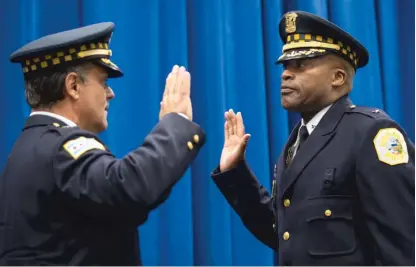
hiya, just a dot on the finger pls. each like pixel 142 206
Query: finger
pixel 171 81
pixel 234 119
pixel 186 84
pixel 246 138
pixel 174 68
pixel 240 125
pixel 167 83
pixel 226 134
pixel 244 142
pixel 228 122
pixel 178 79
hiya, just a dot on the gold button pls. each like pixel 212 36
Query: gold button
pixel 286 203
pixel 286 236
pixel 56 124
pixel 196 139
pixel 328 213
pixel 190 146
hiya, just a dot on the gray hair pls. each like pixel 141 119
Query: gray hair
pixel 44 90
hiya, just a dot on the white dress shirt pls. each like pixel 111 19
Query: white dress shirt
pixel 310 126
pixel 56 116
pixel 68 121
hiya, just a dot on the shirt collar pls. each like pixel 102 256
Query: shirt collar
pixel 311 125
pixel 56 116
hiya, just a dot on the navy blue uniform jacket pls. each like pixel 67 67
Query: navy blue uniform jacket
pixel 66 200
pixel 347 198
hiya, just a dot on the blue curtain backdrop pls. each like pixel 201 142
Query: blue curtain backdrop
pixel 229 47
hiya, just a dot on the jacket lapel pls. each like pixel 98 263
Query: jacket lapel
pixel 281 163
pixel 288 153
pixel 322 134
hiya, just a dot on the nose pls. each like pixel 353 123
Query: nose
pixel 287 75
pixel 110 93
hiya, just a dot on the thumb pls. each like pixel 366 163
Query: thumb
pixel 244 141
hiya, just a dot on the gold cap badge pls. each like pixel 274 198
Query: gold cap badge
pixel 291 22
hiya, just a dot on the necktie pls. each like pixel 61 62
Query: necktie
pixel 303 135
pixel 293 150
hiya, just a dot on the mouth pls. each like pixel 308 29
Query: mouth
pixel 284 90
pixel 106 108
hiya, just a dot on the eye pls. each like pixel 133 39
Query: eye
pixel 295 64
pixel 301 64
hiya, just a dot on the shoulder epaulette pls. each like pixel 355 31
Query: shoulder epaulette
pixel 367 111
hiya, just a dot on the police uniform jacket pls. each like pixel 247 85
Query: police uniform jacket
pixel 66 199
pixel 347 197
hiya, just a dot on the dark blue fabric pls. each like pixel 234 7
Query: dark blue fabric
pixel 230 48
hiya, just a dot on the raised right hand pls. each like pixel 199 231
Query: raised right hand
pixel 235 142
pixel 177 94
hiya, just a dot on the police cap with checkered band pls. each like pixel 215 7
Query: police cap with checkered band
pixel 306 35
pixel 62 49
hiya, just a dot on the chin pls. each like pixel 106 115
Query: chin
pixel 104 126
pixel 292 107
pixel 99 127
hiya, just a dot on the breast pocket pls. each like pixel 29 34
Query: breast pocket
pixel 330 229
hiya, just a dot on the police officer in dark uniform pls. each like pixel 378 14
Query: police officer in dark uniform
pixel 64 197
pixel 343 192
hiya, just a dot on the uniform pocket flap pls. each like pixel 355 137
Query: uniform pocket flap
pixel 330 228
pixel 329 207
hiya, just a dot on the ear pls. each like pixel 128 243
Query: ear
pixel 71 86
pixel 339 77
